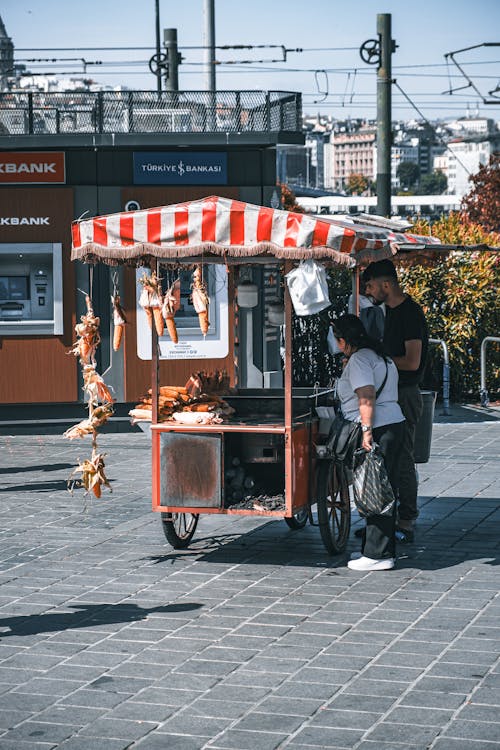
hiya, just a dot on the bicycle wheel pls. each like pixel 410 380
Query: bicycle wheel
pixel 179 528
pixel 334 507
pixel 299 519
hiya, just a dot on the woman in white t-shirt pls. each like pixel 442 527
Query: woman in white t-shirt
pixel 381 419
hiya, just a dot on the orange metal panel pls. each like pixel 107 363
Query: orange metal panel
pixel 221 511
pixel 155 477
pixel 238 427
pixel 300 467
pixel 191 469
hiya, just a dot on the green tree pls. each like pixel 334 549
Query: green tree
pixel 434 183
pixel 356 184
pixel 459 294
pixel 408 173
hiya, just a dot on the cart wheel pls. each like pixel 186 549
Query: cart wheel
pixel 179 528
pixel 299 519
pixel 334 507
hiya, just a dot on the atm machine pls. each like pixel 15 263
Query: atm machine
pixel 30 289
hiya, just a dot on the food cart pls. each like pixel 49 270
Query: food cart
pixel 269 434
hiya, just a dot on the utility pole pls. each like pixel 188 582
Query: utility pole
pixel 158 48
pixel 209 57
pixel 209 43
pixel 384 110
pixel 173 59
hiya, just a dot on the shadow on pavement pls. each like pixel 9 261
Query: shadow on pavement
pixel 270 544
pixel 55 486
pixel 86 616
pixel 463 413
pixel 41 467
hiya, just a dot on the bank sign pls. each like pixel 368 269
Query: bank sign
pixel 174 168
pixel 32 167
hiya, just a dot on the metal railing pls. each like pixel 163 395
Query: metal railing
pixel 446 375
pixel 483 393
pixel 39 113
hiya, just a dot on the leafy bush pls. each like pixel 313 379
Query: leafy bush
pixel 459 293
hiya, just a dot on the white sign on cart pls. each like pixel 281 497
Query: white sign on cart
pixel 192 344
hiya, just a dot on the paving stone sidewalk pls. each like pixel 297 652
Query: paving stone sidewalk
pixel 253 638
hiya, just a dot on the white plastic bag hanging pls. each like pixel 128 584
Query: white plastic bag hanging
pixel 332 343
pixel 308 288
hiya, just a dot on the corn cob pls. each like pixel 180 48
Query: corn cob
pixel 159 323
pixel 200 299
pixel 171 304
pixel 119 321
pixel 151 300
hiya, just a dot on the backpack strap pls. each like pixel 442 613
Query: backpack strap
pixel 379 391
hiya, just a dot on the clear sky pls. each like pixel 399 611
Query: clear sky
pixel 333 80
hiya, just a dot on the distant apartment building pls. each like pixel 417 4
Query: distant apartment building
pixel 440 164
pixel 6 57
pixel 402 152
pixel 347 154
pixel 302 165
pixel 465 158
pixel 475 126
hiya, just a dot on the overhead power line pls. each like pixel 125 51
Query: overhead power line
pixel 424 118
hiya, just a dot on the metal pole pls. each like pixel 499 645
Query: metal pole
pixel 170 43
pixel 209 43
pixel 355 290
pixel 209 58
pixel 446 376
pixel 384 82
pixel 155 363
pixel 288 395
pixel 485 399
pixel 158 48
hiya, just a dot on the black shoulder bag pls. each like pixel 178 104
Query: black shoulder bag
pixel 345 435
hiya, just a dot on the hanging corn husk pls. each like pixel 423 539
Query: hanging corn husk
pixel 151 301
pixel 93 476
pixel 171 303
pixel 99 401
pixel 97 417
pixel 200 299
pixel 88 336
pixel 95 386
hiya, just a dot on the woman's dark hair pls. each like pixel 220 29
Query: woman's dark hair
pixel 351 329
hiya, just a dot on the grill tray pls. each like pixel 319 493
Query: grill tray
pixel 271 402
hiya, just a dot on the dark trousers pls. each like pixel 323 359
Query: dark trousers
pixel 379 540
pixel 410 401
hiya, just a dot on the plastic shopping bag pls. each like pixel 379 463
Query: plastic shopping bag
pixel 373 495
pixel 332 343
pixel 308 288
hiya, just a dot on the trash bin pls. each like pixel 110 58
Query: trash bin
pixel 423 429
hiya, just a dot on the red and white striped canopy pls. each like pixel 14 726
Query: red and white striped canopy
pixel 224 227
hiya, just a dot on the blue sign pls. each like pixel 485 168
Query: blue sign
pixel 176 168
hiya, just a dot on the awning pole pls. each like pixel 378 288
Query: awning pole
pixel 155 362
pixel 355 290
pixel 288 397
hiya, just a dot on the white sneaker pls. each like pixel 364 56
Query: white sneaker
pixel 367 564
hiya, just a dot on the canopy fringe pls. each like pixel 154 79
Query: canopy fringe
pixel 142 253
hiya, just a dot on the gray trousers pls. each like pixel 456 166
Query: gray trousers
pixel 410 401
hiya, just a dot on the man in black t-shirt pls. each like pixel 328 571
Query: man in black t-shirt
pixel 406 341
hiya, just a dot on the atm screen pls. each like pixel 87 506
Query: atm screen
pixel 14 287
